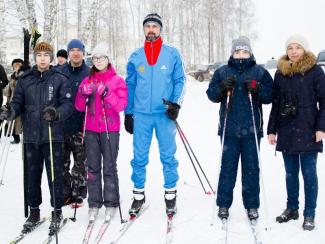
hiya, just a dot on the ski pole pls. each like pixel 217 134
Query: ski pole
pixel 197 161
pixel 259 161
pixel 115 172
pixel 85 119
pixel 52 178
pixel 5 133
pixel 229 93
pixel 9 132
pixel 190 157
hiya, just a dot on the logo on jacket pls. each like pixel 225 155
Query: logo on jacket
pixel 51 89
pixel 163 67
pixel 141 69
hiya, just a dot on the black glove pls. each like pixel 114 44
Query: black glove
pixel 128 123
pixel 7 113
pixel 229 83
pixel 172 110
pixel 252 86
pixel 50 114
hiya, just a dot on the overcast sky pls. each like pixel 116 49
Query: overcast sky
pixel 278 19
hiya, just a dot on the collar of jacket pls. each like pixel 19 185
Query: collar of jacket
pixel 73 69
pixel 286 67
pixel 43 74
pixel 241 64
pixel 152 50
pixel 104 76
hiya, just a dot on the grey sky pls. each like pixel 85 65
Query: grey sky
pixel 278 19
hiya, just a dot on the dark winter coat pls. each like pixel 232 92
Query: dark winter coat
pixel 239 118
pixel 3 82
pixel 34 92
pixel 302 84
pixel 74 123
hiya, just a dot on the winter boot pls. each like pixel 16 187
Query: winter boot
pixel 287 215
pixel 223 213
pixel 56 220
pixel 110 212
pixel 252 214
pixel 138 201
pixel 309 223
pixel 93 213
pixel 32 221
pixel 170 201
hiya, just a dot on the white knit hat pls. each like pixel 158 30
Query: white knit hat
pixel 298 39
pixel 101 49
pixel 241 43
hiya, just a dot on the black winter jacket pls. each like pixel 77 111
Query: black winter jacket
pixel 303 86
pixel 35 91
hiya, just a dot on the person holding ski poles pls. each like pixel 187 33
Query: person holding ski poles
pixel 154 72
pixel 43 99
pixel 102 95
pixel 240 86
pixel 297 124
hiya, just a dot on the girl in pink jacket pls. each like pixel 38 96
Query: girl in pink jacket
pixel 102 96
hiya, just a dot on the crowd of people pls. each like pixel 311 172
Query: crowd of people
pixel 70 108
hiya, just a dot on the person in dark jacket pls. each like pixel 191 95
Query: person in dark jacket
pixel 297 124
pixel 75 184
pixel 246 86
pixel 42 98
pixel 61 57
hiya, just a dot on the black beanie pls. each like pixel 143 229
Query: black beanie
pixel 153 17
pixel 62 53
pixel 17 60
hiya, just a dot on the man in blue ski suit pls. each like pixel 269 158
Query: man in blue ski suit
pixel 155 73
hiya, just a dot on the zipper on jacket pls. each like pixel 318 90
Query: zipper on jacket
pixel 151 80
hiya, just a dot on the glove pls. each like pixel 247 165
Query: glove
pixel 229 83
pixel 87 89
pixel 102 90
pixel 128 123
pixel 50 114
pixel 7 113
pixel 252 86
pixel 172 110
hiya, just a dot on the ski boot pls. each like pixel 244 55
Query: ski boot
pixel 309 223
pixel 93 213
pixel 252 214
pixel 56 221
pixel 287 215
pixel 223 213
pixel 138 201
pixel 170 201
pixel 109 212
pixel 32 221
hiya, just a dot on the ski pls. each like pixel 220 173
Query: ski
pixel 103 229
pixel 128 224
pixel 170 228
pixel 253 226
pixel 51 237
pixel 88 232
pixel 23 234
pixel 224 227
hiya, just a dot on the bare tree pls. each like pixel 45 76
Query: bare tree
pixel 3 45
pixel 50 21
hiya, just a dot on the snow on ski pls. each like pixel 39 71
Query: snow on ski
pixel 253 226
pixel 224 227
pixel 23 234
pixel 51 237
pixel 103 229
pixel 128 224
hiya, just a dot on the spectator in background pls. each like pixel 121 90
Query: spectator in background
pixel 61 57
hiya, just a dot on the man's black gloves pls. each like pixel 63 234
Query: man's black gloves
pixel 7 113
pixel 128 123
pixel 252 86
pixel 50 114
pixel 172 110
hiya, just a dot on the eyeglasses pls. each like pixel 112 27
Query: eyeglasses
pixel 98 59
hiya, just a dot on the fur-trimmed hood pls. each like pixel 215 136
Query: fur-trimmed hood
pixel 286 67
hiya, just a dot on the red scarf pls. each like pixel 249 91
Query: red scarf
pixel 152 50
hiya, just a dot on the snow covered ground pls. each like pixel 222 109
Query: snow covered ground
pixel 199 121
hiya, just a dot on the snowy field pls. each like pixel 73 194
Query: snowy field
pixel 199 121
